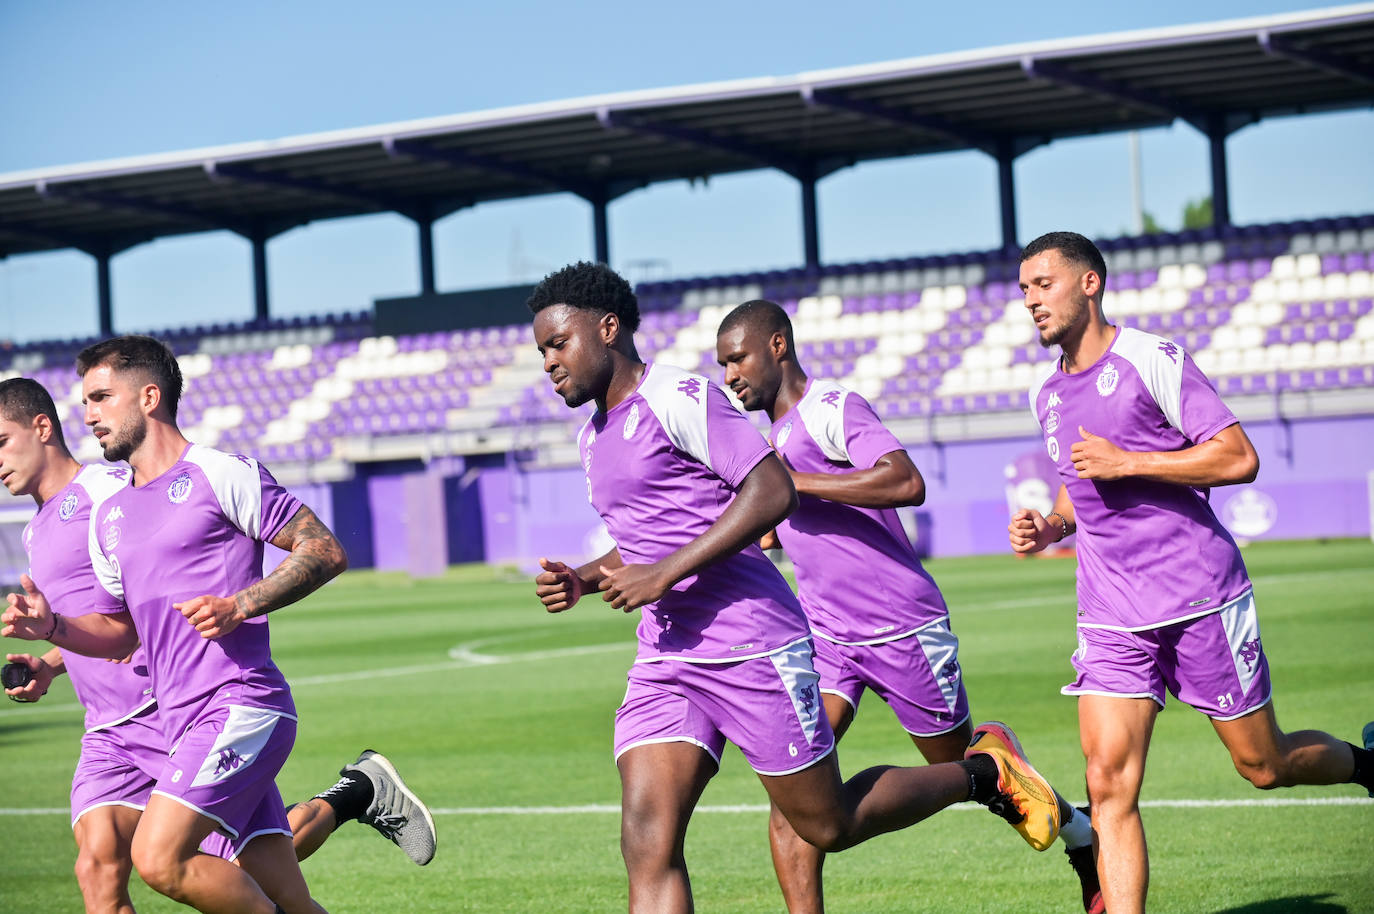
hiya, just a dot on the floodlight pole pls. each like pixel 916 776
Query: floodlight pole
pixel 424 224
pixel 601 230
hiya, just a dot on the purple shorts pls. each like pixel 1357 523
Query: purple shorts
pixel 225 767
pixel 918 676
pixel 119 765
pixel 1214 662
pixel 770 707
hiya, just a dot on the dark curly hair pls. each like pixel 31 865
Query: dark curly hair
pixel 148 357
pixel 1073 247
pixel 589 286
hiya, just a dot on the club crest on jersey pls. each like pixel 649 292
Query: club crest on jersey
pixel 68 507
pixel 180 489
pixel 111 538
pixel 1052 422
pixel 1106 381
pixel 631 422
pixel 784 433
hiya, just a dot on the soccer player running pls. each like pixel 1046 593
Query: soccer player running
pixel 178 557
pixel 686 486
pixel 1164 601
pixel 891 635
pixel 123 747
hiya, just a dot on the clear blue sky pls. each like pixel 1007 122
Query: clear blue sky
pixel 92 80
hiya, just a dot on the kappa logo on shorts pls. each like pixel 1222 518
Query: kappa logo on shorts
pixel 950 672
pixel 180 489
pixel 1249 652
pixel 228 761
pixel 806 697
pixel 68 507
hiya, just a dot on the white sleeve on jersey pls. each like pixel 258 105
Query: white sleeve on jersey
pixel 678 399
pixel 824 421
pixel 237 485
pixel 1160 365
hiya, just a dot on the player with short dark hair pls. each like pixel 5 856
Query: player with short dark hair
pixel 685 486
pixel 123 747
pixel 1164 600
pixel 190 527
pixel 893 634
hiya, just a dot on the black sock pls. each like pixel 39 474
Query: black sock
pixel 982 777
pixel 1364 767
pixel 350 797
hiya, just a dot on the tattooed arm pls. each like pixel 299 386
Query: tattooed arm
pixel 316 557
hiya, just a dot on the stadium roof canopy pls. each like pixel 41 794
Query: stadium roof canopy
pixel 1218 77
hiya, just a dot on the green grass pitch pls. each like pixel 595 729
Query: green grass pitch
pixel 500 717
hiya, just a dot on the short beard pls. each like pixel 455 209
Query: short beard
pixel 119 445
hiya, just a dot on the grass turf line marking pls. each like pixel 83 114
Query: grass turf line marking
pixel 759 808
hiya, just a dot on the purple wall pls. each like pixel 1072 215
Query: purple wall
pixel 1312 483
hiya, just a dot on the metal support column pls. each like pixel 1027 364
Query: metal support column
pixel 1006 191
pixel 259 242
pixel 811 234
pixel 1221 192
pixel 104 300
pixel 424 223
pixel 601 231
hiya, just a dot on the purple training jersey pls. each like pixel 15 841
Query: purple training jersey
pixel 858 576
pixel 197 529
pixel 1149 553
pixel 662 466
pixel 59 562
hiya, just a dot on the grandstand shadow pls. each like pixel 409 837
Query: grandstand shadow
pixel 1296 904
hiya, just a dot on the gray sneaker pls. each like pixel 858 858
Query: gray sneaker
pixel 396 812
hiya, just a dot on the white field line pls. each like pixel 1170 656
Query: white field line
pixel 760 808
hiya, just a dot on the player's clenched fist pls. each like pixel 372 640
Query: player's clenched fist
pixel 632 586
pixel 1029 531
pixel 557 586
pixel 213 617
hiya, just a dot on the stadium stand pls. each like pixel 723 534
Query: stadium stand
pixel 1264 309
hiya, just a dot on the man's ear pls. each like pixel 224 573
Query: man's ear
pixel 149 398
pixel 777 344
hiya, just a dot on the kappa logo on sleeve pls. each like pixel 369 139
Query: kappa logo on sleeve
pixel 1170 350
pixel 691 387
pixel 832 398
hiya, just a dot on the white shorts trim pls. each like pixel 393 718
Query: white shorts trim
pixel 1249 591
pixel 87 809
pixel 150 703
pixel 690 658
pixel 221 824
pixel 669 739
pixel 237 847
pixel 950 729
pixel 1070 690
pixel 884 639
pixel 810 764
pixel 1268 698
pixel 852 706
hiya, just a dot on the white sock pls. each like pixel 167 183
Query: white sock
pixel 1077 832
